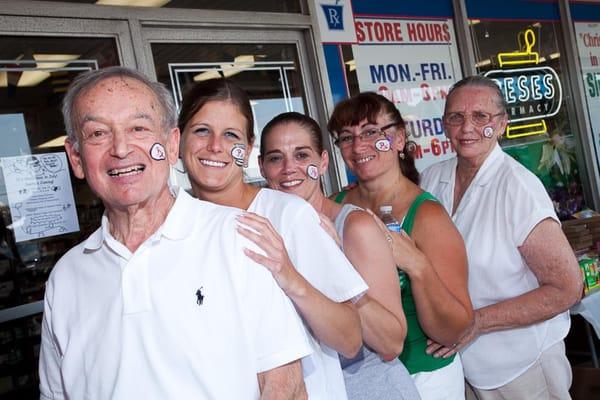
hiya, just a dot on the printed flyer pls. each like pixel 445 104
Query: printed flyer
pixel 40 196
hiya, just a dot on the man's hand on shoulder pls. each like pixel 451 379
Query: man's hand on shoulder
pixel 283 383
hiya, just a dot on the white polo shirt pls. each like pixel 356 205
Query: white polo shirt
pixel 320 261
pixel 503 204
pixel 187 315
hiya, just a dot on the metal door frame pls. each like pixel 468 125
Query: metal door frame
pixel 64 28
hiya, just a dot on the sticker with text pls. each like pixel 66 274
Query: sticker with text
pixel 382 145
pixel 238 152
pixel 157 152
pixel 312 171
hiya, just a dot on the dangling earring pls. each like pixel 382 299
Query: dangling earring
pixel 401 154
pixel 245 163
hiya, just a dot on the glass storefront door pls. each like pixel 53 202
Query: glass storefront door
pixel 44 210
pixel 270 72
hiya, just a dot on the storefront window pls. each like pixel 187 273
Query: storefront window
pixel 525 58
pixel 269 73
pixel 406 52
pixel 586 21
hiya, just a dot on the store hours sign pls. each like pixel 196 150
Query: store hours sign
pixel 413 63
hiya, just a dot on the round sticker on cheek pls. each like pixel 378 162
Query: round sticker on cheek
pixel 157 152
pixel 382 145
pixel 488 132
pixel 238 152
pixel 312 171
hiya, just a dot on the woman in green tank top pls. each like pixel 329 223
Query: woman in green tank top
pixel 370 133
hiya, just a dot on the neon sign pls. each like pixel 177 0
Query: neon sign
pixel 532 93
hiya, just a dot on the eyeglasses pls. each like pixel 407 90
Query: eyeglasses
pixel 478 118
pixel 368 135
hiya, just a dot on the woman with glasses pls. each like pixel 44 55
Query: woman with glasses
pixel 429 253
pixel 292 159
pixel 217 136
pixel 523 275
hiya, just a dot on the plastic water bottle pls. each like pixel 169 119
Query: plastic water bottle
pixel 393 225
pixel 389 220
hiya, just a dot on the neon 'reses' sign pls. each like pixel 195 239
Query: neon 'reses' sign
pixel 532 92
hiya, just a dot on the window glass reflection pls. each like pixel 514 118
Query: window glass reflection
pixel 524 58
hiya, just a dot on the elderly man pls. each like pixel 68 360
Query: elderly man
pixel 523 275
pixel 160 302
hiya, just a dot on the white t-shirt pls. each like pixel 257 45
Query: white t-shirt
pixel 319 260
pixel 187 315
pixel 500 208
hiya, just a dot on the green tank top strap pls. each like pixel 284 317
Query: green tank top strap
pixel 340 196
pixel 409 219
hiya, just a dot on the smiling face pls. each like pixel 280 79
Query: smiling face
pixel 214 145
pixel 120 120
pixel 290 162
pixel 368 159
pixel 473 143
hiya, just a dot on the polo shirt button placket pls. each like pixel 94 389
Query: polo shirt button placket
pixel 135 283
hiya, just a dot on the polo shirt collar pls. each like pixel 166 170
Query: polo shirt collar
pixel 178 226
pixel 175 227
pixel 490 166
pixel 448 173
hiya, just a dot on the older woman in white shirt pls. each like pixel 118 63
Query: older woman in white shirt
pixel 523 276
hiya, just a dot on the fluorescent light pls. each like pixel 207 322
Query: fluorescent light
pixel 554 56
pixel 33 78
pixel 474 21
pixel 56 142
pixel 204 76
pixel 240 63
pixel 351 65
pixel 133 3
pixel 483 63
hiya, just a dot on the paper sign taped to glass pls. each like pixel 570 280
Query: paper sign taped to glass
pixel 40 196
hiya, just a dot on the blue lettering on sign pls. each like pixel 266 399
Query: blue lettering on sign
pixel 531 93
pixel 425 127
pixel 390 73
pixel 433 71
pixel 334 16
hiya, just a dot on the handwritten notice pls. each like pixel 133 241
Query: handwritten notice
pixel 39 195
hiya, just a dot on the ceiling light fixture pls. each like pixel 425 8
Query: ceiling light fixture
pixel 46 61
pixel 133 3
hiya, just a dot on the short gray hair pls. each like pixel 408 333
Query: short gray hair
pixel 86 81
pixel 480 81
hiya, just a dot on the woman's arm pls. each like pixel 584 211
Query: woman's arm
pixel 550 258
pixel 335 324
pixel 439 279
pixel 436 262
pixel 380 309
